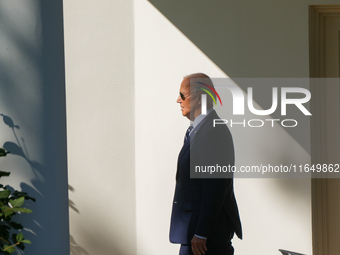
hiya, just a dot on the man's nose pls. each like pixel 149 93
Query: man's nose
pixel 179 99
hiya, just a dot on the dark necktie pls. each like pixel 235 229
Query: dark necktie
pixel 188 132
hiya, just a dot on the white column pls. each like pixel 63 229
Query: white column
pixel 100 125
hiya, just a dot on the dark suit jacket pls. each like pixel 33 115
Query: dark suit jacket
pixel 205 207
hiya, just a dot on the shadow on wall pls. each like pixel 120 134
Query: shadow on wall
pixel 245 38
pixel 35 226
pixel 75 249
pixel 71 204
pixel 101 242
pixel 32 77
pixel 249 39
pixel 19 149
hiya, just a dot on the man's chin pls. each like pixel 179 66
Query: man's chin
pixel 185 114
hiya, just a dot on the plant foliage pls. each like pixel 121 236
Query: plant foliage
pixel 11 204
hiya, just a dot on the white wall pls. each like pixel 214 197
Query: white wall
pixel 125 129
pixel 275 212
pixel 100 119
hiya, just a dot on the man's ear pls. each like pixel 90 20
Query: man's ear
pixel 199 99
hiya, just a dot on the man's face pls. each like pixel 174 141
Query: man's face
pixel 185 104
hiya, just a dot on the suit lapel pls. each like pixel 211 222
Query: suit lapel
pixel 194 133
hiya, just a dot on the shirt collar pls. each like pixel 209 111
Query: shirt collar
pixel 201 117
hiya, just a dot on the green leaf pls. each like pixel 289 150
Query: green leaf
pixel 9 250
pixel 16 225
pixel 2 173
pixel 17 202
pixel 18 194
pixel 5 193
pixel 21 246
pixel 31 198
pixel 24 210
pixel 3 152
pixel 20 237
pixel 26 241
pixel 9 212
pixel 4 207
pixel 4 240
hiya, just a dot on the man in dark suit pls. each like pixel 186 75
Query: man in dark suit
pixel 204 214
